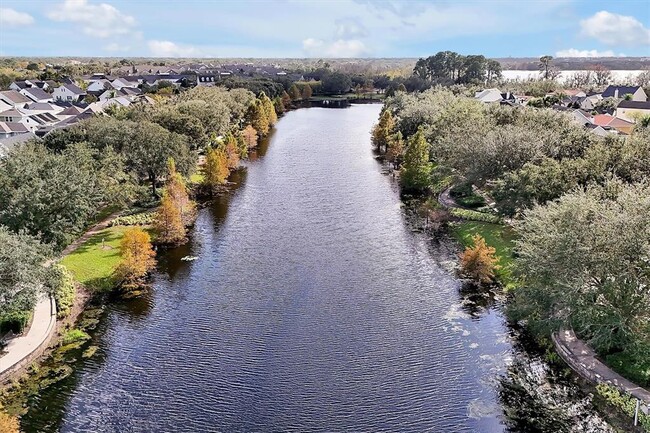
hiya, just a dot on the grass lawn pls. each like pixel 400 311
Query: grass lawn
pixel 93 263
pixel 499 236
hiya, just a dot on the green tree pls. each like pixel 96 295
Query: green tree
pixel 258 118
pixel 21 267
pixel 415 174
pixel 294 92
pixel 306 92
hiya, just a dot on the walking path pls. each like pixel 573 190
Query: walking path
pixel 582 359
pixel 24 349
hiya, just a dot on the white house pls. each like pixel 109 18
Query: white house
pixel 14 98
pixel 120 82
pixel 632 110
pixel 590 102
pixel 36 94
pixel 68 93
pixel 99 86
pixel 488 96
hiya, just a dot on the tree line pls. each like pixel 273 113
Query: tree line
pixel 52 189
pixel 581 205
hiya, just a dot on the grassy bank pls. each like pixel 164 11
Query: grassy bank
pixel 94 262
pixel 499 236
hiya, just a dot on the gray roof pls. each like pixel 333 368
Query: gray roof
pixel 37 94
pixel 14 96
pixel 6 144
pixel 639 105
pixel 74 88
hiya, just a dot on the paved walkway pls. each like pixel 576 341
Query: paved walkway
pixel 44 318
pixel 20 348
pixel 582 359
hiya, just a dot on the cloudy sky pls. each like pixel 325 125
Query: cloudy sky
pixel 320 28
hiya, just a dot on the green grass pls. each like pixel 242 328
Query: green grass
pixel 94 262
pixel 499 236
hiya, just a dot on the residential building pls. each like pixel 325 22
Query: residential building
pixel 68 93
pixel 36 94
pixel 13 98
pixel 620 91
pixel 632 110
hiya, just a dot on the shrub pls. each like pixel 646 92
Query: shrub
pixel 138 219
pixel 63 290
pixel 471 215
pixel 625 402
pixel 465 196
pixel 74 336
pixel 14 321
pixel 479 262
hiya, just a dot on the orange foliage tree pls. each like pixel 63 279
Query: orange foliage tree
pixel 216 168
pixel 479 261
pixel 137 257
pixel 169 221
pixel 232 152
pixel 250 136
pixel 177 190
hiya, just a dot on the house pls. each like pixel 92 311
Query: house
pixel 590 102
pixel 609 121
pixel 6 144
pixel 68 93
pixel 13 98
pixel 488 96
pixel 120 82
pixel 10 129
pixel 602 131
pixel 98 86
pixel 206 79
pixel 36 94
pixel 620 91
pixel 37 121
pixel 632 110
pixel 582 117
pixel 574 93
pixel 27 84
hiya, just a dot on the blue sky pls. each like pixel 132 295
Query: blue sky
pixel 318 28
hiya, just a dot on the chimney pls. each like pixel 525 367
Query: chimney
pixel 616 92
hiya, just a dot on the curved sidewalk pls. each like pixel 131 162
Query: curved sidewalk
pixel 24 349
pixel 582 359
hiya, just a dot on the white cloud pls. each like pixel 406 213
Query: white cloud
pixel 99 20
pixel 10 18
pixel 171 49
pixel 350 28
pixel 572 52
pixel 616 30
pixel 338 48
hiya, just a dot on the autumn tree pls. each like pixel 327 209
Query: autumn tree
pixel 294 92
pixel 269 109
pixel 216 168
pixel 230 148
pixel 383 131
pixel 479 261
pixel 258 118
pixel 249 135
pixel 416 172
pixel 177 190
pixel 138 258
pixel 306 92
pixel 168 222
pixel 286 99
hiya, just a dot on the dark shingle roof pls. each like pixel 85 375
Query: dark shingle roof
pixel 622 91
pixel 37 94
pixel 640 105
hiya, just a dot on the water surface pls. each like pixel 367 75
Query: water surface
pixel 312 307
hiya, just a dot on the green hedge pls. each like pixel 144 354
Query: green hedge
pixel 63 290
pixel 14 321
pixel 471 215
pixel 138 219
